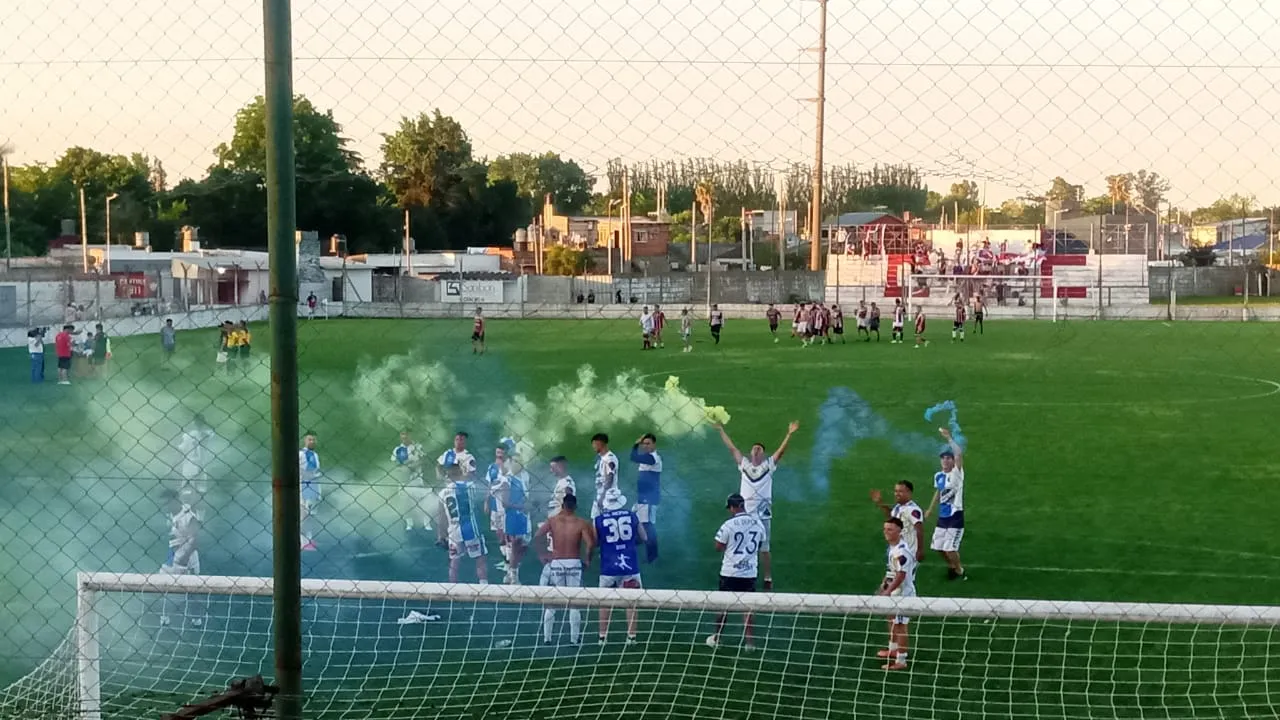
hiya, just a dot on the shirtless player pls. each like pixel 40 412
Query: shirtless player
pixel 566 534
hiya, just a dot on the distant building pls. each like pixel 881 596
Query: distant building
pixel 861 228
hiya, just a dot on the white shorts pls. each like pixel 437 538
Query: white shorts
pixel 802 327
pixel 897 326
pixel 631 582
pixel 862 324
pixel 947 539
pixel 191 472
pixel 419 497
pixel 497 521
pixel 768 532
pixel 646 513
pixel 562 573
pixel 471 548
pixel 191 568
pixel 901 619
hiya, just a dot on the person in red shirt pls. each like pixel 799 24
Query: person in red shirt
pixel 774 316
pixel 920 339
pixel 659 320
pixel 62 346
pixel 477 333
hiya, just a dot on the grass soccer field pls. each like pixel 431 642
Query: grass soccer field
pixel 1105 461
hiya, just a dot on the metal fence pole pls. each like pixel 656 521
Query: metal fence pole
pixel 285 482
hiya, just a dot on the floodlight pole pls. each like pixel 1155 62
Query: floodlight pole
pixel 283 273
pixel 815 209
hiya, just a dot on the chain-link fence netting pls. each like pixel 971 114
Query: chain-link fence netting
pixel 554 249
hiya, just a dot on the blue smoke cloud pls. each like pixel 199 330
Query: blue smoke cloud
pixel 844 420
pixel 953 421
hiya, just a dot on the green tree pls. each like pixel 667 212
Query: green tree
pixel 423 158
pixel 319 148
pixel 537 176
pixel 1231 207
pixel 1063 195
pixel 1148 190
pixel 564 260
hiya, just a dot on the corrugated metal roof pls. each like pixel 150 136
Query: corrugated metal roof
pixel 862 218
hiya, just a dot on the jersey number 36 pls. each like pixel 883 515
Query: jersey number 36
pixel 617 529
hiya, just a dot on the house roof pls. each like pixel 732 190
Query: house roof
pixel 474 275
pixel 865 218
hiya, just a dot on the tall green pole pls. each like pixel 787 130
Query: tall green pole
pixel 281 226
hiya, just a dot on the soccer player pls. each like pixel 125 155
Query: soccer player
pixel 184 556
pixel 659 322
pixel 409 456
pixel 979 312
pixel 837 322
pixel 798 321
pixel 686 329
pixel 194 447
pixel 515 498
pixel 244 345
pixel 477 333
pixel 464 535
pixel 648 489
pixel 957 327
pixel 773 316
pixel 566 535
pixel 756 486
pixel 920 326
pixel 564 484
pixel 948 498
pixel 457 455
pixel 496 477
pixel 908 512
pixel 616 530
pixel 899 321
pixel 817 324
pixel 646 327
pixel 606 470
pixel 741 539
pixel 862 321
pixel 717 323
pixel 873 322
pixel 899 581
pixel 309 473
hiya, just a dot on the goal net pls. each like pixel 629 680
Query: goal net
pixel 1003 296
pixel 477 651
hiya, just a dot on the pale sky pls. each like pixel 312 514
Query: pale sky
pixel 1007 92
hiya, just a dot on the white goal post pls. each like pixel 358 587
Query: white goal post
pixel 1003 296
pixel 477 650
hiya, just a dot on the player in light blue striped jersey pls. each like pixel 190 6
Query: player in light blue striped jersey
pixel 648 490
pixel 309 474
pixel 496 478
pixel 516 530
pixel 617 530
pixel 465 537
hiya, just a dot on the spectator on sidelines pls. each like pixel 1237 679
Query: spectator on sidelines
pixel 35 345
pixel 168 340
pixel 62 346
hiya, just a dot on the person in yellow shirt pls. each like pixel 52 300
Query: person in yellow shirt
pixel 231 343
pixel 245 341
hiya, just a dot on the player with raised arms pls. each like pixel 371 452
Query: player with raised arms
pixel 648 490
pixel 899 581
pixel 756 487
pixel 309 474
pixel 464 534
pixel 183 557
pixel 515 498
pixel 606 470
pixel 408 455
pixel 617 530
pixel 566 535
pixel 906 510
pixel 948 499
pixel 740 539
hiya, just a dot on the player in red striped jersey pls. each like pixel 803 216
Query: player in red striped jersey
pixel 774 316
pixel 920 323
pixel 659 321
pixel 477 333
pixel 957 328
pixel 899 321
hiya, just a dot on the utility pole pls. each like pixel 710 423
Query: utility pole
pixel 815 209
pixel 8 227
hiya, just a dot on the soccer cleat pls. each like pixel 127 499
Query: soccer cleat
pixel 164 621
pixel 768 584
pixel 713 641
pixel 197 622
pixel 602 641
pixel 886 654
pixel 749 647
pixel 631 640
pixel 894 666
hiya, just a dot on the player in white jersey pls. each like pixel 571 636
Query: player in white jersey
pixel 457 455
pixel 183 557
pixel 606 471
pixel 686 329
pixel 309 474
pixel 905 509
pixel 948 499
pixel 899 321
pixel 741 539
pixel 194 447
pixel 409 457
pixel 564 484
pixel 756 487
pixel 647 327
pixel 464 533
pixel 899 581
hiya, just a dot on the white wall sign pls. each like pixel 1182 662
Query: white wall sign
pixel 472 291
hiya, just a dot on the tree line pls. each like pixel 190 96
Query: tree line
pixel 429 174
